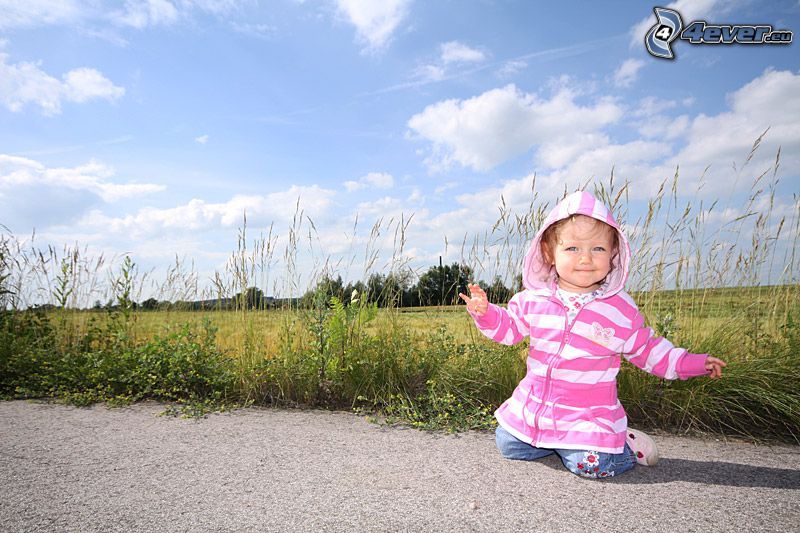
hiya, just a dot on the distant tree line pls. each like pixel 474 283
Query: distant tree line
pixel 439 285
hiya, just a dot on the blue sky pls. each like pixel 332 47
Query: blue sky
pixel 150 127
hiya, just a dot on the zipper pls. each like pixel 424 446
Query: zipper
pixel 551 363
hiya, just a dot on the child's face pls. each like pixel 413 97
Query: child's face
pixel 583 254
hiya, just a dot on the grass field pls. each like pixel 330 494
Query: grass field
pixel 425 366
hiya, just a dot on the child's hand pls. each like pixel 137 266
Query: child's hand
pixel 715 366
pixel 477 303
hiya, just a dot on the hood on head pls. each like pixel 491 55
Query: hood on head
pixel 538 274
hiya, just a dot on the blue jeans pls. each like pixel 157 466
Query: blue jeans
pixel 585 463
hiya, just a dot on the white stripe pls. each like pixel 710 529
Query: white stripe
pixel 585 426
pixel 550 347
pixel 536 368
pixel 612 313
pixel 628 300
pixel 491 332
pixel 590 378
pixel 627 349
pixel 570 352
pixel 548 321
pixel 674 356
pixel 658 353
pixel 600 211
pixel 586 330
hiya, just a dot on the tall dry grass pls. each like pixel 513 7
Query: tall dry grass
pixel 717 277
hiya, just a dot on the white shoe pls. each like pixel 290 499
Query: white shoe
pixel 643 446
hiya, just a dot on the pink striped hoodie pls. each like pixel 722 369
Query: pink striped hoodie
pixel 568 398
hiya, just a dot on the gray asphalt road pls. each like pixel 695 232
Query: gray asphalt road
pixel 99 469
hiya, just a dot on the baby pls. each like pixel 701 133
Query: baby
pixel 579 319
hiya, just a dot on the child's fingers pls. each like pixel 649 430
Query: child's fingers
pixel 464 297
pixel 477 291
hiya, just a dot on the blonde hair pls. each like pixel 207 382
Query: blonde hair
pixel 549 239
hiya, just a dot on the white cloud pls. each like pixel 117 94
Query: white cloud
pixel 140 14
pixel 627 73
pixel 486 130
pixel 30 13
pixel 217 7
pixel 198 214
pixel 375 22
pixel 660 126
pixel 92 177
pixel 456 52
pixel 82 84
pixel 33 195
pixel 428 73
pixel 650 105
pixel 24 83
pixel 510 68
pixel 416 196
pixel 376 180
pixel 260 31
pixel 714 149
pixel 136 14
pixel 769 101
pixel 445 187
pixel 203 139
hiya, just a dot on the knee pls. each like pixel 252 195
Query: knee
pixel 511 447
pixel 506 443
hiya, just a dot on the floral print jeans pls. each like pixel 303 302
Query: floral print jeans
pixel 585 463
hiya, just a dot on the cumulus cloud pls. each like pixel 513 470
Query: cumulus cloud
pixel 375 22
pixel 24 83
pixel 486 130
pixel 82 84
pixel 628 72
pixel 27 186
pixel 699 146
pixel 203 139
pixel 771 101
pixel 199 214
pixel 376 180
pixel 650 105
pixel 456 52
pixel 94 177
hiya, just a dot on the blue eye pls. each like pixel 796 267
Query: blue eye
pixel 599 249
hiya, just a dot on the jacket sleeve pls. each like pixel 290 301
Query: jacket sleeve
pixel 506 326
pixel 658 356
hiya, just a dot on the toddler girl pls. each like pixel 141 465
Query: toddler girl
pixel 579 320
